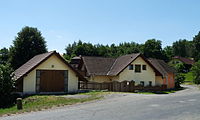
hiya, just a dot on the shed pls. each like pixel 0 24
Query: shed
pixel 46 73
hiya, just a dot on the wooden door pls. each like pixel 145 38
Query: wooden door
pixel 51 81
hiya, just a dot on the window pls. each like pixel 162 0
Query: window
pixel 142 83
pixel 138 68
pixel 144 67
pixel 130 67
pixel 150 83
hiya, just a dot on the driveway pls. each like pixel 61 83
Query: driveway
pixel 182 105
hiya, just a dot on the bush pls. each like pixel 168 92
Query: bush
pixel 196 72
pixel 179 79
pixel 6 86
pixel 180 67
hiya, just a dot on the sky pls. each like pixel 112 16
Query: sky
pixel 62 22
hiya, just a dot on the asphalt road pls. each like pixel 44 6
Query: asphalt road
pixel 182 105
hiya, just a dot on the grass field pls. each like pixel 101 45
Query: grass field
pixel 40 102
pixel 188 78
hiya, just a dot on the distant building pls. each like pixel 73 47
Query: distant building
pixel 179 59
pixel 186 61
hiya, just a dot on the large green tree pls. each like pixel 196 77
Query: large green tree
pixel 4 55
pixel 28 43
pixel 196 42
pixel 153 49
pixel 183 48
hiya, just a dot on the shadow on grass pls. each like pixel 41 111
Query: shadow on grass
pixel 162 92
pixel 170 91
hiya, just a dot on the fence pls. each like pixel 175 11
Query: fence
pixel 115 86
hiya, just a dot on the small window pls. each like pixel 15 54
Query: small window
pixel 137 68
pixel 150 83
pixel 144 67
pixel 130 67
pixel 38 74
pixel 142 83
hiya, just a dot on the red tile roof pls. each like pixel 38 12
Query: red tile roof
pixel 184 60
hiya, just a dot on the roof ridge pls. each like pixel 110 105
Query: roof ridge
pixel 44 53
pixel 99 57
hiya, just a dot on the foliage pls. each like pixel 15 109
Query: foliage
pixel 4 55
pixel 6 85
pixel 153 49
pixel 179 79
pixel 196 72
pixel 180 67
pixel 196 41
pixel 168 51
pixel 183 48
pixel 28 43
pixel 88 49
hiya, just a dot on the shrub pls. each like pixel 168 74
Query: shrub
pixel 180 67
pixel 196 72
pixel 179 79
pixel 6 86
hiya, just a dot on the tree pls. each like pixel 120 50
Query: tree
pixel 196 42
pixel 196 72
pixel 183 48
pixel 6 85
pixel 28 43
pixel 168 51
pixel 4 56
pixel 153 49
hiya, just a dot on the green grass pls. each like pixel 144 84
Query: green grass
pixel 188 78
pixel 40 102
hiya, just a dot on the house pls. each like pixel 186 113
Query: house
pixel 179 59
pixel 131 67
pixel 185 61
pixel 46 73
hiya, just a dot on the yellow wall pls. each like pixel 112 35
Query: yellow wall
pixel 145 75
pixel 29 83
pixel 159 80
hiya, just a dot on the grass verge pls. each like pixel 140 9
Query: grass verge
pixel 188 78
pixel 40 102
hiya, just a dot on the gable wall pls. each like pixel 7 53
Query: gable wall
pixel 29 83
pixel 145 75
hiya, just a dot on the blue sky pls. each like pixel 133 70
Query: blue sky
pixel 100 21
